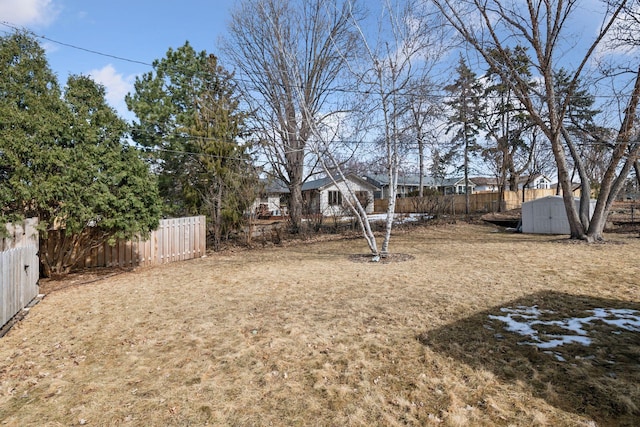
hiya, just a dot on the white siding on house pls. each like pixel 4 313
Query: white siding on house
pixel 272 203
pixel 333 210
pixel 540 182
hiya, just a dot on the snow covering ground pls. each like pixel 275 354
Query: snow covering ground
pixel 526 321
pixel 399 218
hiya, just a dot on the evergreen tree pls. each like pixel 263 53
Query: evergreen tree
pixel 189 118
pixel 465 120
pixel 508 124
pixel 64 160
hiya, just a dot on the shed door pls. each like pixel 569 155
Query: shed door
pixel 542 218
pixel 559 224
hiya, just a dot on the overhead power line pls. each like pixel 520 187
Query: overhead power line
pixel 433 95
pixel 95 52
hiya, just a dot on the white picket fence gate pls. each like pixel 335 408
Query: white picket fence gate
pixel 19 268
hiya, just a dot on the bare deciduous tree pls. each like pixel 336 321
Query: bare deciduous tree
pixel 409 43
pixel 423 121
pixel 290 60
pixel 492 28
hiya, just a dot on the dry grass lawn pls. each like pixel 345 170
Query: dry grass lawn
pixel 303 335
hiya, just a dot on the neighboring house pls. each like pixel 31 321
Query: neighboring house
pixel 322 196
pixel 273 199
pixel 408 184
pixel 485 184
pixel 319 196
pixel 490 184
pixel 537 181
pixel 455 186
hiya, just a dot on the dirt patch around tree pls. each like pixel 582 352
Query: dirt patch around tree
pixel 476 327
pixel 387 259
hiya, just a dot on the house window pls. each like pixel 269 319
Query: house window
pixel 335 198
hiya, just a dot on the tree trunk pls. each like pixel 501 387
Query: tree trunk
pixel 295 203
pixel 392 171
pixel 217 218
pixel 613 179
pixel 391 209
pixel 467 207
pixel 421 165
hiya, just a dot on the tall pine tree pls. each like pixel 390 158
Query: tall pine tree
pixel 467 109
pixel 188 116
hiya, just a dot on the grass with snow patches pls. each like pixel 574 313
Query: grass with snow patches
pixel 457 334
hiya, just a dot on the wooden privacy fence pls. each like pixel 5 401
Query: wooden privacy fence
pixel 175 239
pixel 455 204
pixel 19 268
pixel 20 235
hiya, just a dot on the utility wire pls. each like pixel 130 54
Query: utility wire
pixel 244 80
pixel 134 61
pixel 95 52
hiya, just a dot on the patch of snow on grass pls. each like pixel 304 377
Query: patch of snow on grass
pixel 622 318
pixel 525 321
pixel 399 218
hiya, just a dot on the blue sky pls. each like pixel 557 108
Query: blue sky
pixel 139 30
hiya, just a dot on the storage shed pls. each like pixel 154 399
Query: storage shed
pixel 548 215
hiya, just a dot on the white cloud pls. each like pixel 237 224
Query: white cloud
pixel 117 86
pixel 28 12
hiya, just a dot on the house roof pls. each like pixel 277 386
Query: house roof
pixel 450 182
pixel 412 179
pixel 483 180
pixel 321 183
pixel 276 186
pixel 382 180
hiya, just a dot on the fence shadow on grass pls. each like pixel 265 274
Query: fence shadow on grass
pixel 580 354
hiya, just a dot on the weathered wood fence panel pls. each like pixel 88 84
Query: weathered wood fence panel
pixel 175 239
pixel 455 204
pixel 20 234
pixel 19 268
pixel 19 271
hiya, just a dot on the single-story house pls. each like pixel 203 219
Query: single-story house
pixel 491 185
pixel 408 184
pixel 323 196
pixel 455 186
pixel 272 200
pixel 485 184
pixel 319 196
